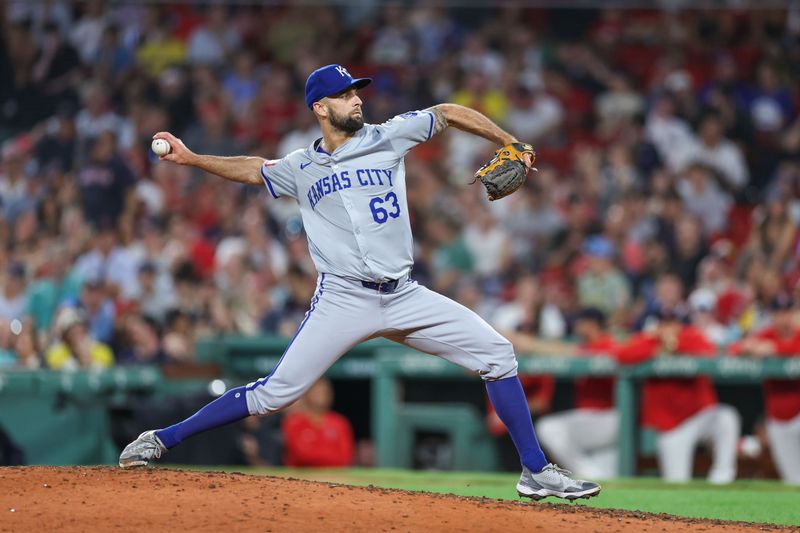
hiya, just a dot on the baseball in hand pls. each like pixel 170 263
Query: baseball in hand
pixel 160 147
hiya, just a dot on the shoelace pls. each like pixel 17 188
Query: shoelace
pixel 154 444
pixel 554 467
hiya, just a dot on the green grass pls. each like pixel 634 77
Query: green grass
pixel 749 501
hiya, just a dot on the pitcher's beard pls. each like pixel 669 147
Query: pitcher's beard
pixel 347 124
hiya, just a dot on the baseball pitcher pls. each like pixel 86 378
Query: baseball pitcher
pixel 351 188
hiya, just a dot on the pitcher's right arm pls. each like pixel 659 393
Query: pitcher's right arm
pixel 241 169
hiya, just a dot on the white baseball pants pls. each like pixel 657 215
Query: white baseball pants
pixel 582 440
pixel 718 425
pixel 344 313
pixel 784 443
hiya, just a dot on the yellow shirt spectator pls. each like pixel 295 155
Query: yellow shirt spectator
pixel 60 357
pixel 156 55
pixel 492 103
pixel 76 349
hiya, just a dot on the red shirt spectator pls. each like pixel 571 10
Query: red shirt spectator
pixel 667 402
pixel 782 339
pixel 316 436
pixel 596 393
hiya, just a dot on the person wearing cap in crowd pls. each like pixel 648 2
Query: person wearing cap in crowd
pixel 154 301
pixel 781 396
pixel 15 184
pixel 97 308
pixel 13 300
pixel 603 285
pixel 74 347
pixel 683 411
pixel 584 439
pixel 702 304
pixel 666 297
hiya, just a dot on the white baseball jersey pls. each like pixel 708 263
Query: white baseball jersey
pixel 353 201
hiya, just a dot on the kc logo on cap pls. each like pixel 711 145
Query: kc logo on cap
pixel 329 80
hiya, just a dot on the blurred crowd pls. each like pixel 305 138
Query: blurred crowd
pixel 668 168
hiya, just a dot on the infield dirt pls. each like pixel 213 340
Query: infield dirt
pixel 68 499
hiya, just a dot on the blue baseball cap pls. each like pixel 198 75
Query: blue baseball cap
pixel 598 246
pixel 329 80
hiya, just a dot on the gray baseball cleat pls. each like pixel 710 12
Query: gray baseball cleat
pixel 554 481
pixel 141 451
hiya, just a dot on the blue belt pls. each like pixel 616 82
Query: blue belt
pixel 387 287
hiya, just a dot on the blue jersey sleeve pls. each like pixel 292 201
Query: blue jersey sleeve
pixel 409 129
pixel 279 178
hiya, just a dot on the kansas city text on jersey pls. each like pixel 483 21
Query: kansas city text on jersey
pixel 365 177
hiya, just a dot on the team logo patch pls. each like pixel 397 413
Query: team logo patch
pixel 343 72
pixel 409 114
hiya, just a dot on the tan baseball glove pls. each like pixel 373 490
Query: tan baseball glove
pixel 507 170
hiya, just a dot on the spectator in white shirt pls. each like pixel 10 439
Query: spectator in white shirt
pixel 667 132
pixel 704 198
pixel 534 114
pixel 713 149
pixel 212 42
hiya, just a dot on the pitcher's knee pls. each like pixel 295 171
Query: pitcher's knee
pixel 265 400
pixel 500 361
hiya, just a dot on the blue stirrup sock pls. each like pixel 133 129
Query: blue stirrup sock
pixel 229 407
pixel 511 406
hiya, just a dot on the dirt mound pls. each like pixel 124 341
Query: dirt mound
pixel 111 499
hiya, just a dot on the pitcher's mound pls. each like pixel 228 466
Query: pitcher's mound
pixel 110 499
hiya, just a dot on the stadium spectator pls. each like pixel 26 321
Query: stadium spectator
pixel 774 233
pixel 57 70
pixel 106 182
pixel 771 104
pixel 702 306
pixel 666 297
pixel 670 134
pixel 96 117
pixel 97 309
pixel 179 341
pixel 683 411
pixel 154 301
pixel 213 42
pixel 15 185
pixel 107 263
pixel 602 285
pixel 141 342
pixel 74 346
pixel 56 149
pixel 314 435
pixel 703 198
pixel 87 31
pixel 712 149
pixel 489 244
pixel 534 114
pixel 529 313
pixel 13 300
